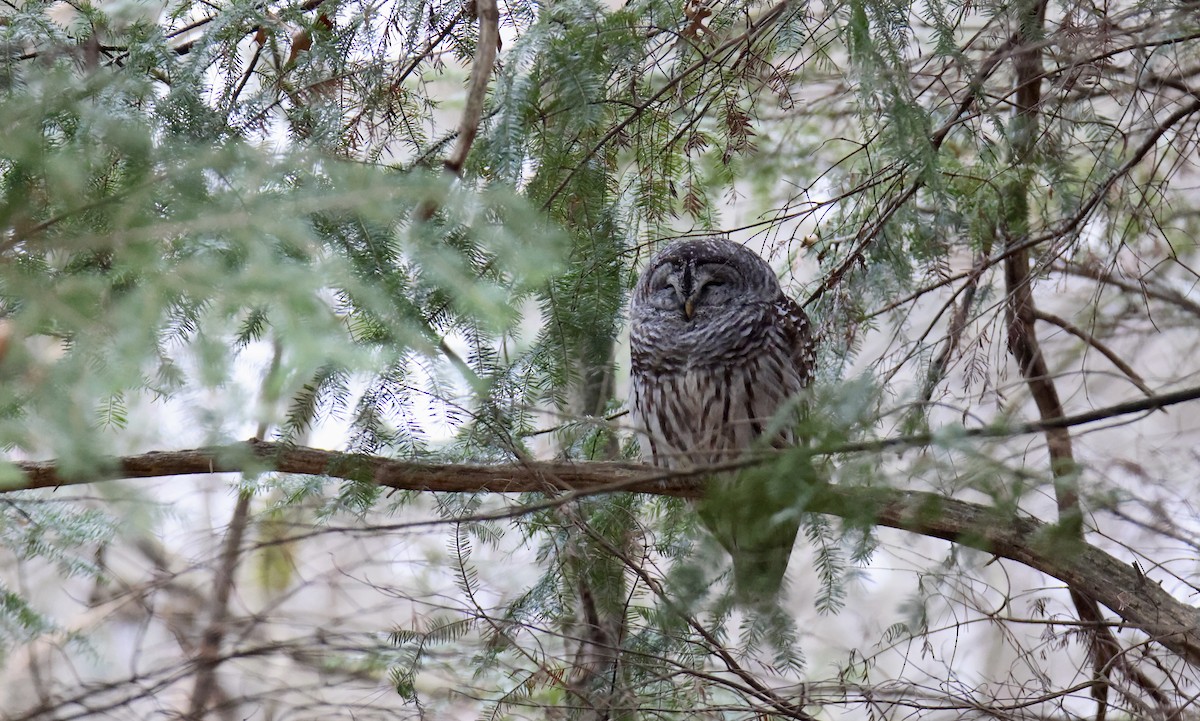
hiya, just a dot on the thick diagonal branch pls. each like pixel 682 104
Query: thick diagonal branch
pixel 1021 314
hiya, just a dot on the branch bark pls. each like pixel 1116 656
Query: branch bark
pixel 481 72
pixel 1021 313
pixel 1140 602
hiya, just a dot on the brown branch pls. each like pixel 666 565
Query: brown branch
pixel 481 73
pixel 1102 190
pixel 245 79
pixel 208 655
pixel 752 685
pixel 1021 314
pixel 258 456
pixel 954 334
pixel 427 51
pixel 1140 602
pixel 867 235
pixel 1096 343
pixel 1029 84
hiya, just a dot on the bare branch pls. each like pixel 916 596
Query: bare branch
pixel 1140 602
pixel 481 72
pixel 208 655
pixel 1021 314
pixel 1094 342
pixel 1140 286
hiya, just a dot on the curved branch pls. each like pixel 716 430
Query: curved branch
pixel 1138 286
pixel 1096 343
pixel 1140 602
pixel 481 72
pixel 1024 346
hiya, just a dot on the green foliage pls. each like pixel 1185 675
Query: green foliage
pixel 19 622
pixel 136 256
pixel 66 536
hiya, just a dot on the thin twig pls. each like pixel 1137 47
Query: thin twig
pixel 954 334
pixel 244 80
pixel 767 18
pixel 1099 345
pixel 1138 288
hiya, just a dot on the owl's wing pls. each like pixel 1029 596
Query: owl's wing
pixel 798 331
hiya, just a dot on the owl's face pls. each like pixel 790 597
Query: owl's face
pixel 695 282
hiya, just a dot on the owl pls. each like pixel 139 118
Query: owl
pixel 717 352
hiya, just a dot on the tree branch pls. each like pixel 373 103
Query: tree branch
pixel 1021 314
pixel 1096 343
pixel 481 72
pixel 1140 602
pixel 258 456
pixel 208 655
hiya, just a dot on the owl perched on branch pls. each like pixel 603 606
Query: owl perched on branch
pixel 718 351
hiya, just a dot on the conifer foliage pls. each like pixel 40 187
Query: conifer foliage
pixel 393 242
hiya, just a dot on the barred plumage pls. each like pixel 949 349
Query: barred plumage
pixel 717 350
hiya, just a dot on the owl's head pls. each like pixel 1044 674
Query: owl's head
pixel 695 280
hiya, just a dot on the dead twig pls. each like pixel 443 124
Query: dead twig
pixel 1099 345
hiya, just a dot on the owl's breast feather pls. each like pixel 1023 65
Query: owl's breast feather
pixel 679 346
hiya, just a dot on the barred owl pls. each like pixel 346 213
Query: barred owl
pixel 717 351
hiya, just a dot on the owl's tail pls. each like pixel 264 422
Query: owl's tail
pixel 756 518
pixel 760 563
pixel 760 546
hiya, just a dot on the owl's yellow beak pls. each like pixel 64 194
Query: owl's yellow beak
pixel 689 308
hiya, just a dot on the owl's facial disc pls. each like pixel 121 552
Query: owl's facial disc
pixel 687 286
pixel 712 284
